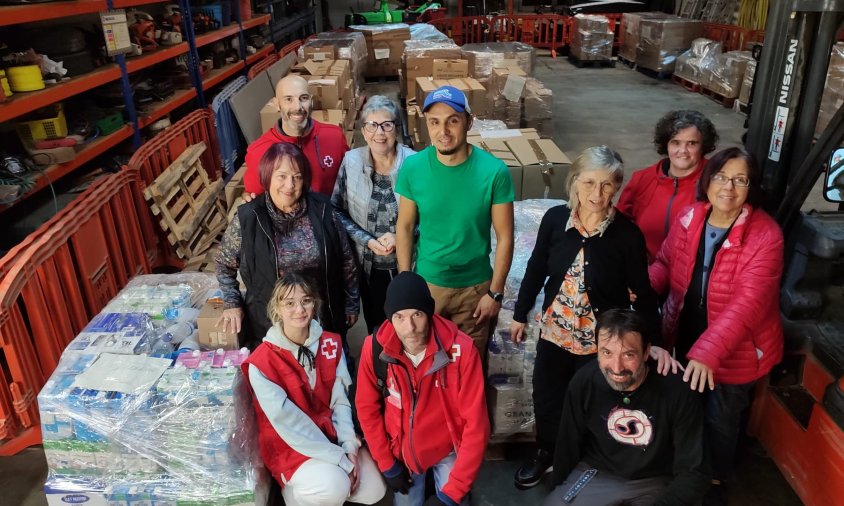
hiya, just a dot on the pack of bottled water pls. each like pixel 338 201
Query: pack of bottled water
pixel 136 414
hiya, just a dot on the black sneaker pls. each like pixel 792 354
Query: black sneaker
pixel 532 471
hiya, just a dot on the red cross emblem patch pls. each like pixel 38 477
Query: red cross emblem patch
pixel 329 348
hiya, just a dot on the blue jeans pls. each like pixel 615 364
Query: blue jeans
pixel 723 409
pixel 416 495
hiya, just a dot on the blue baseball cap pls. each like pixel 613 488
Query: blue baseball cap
pixel 448 95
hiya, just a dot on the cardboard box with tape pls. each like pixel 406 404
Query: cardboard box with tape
pixel 499 149
pixel 512 408
pixel 544 168
pixel 209 336
pixel 384 46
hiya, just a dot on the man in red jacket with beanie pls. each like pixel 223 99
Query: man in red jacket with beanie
pixel 431 413
pixel 323 145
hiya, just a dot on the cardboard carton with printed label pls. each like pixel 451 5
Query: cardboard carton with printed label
pixel 209 336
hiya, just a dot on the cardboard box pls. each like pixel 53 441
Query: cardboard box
pixel 234 188
pixel 209 336
pixel 326 92
pixel 499 149
pixel 725 75
pixel 450 69
pixel 269 115
pixel 662 40
pixel 747 82
pixel 331 117
pixel 319 52
pixel 350 138
pixel 505 357
pixel 384 47
pixel 589 46
pixel 512 408
pixel 475 136
pixel 545 168
pixel 630 23
pixel 424 86
pixel 419 62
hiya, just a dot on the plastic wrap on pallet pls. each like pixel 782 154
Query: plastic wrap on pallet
pixel 592 38
pixel 630 22
pixel 662 40
pixel 346 46
pixel 723 73
pixel 165 296
pixel 488 125
pixel 538 107
pixel 747 82
pixel 431 49
pixel 690 64
pixel 424 31
pixel 135 428
pixel 833 93
pixel 483 57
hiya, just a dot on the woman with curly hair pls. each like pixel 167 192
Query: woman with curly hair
pixel 655 195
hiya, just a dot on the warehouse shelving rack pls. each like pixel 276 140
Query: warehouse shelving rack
pixel 23 103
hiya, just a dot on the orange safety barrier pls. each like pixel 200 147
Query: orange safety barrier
pixel 262 65
pixel 465 29
pixel 615 28
pixel 289 48
pixel 731 37
pixel 538 30
pixel 156 155
pixel 54 283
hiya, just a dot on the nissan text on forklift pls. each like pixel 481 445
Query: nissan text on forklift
pixel 798 414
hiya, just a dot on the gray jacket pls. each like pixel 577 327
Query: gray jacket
pixel 353 191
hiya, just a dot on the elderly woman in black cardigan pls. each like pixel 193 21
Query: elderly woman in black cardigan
pixel 590 258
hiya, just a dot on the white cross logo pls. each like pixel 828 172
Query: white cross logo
pixel 328 161
pixel 455 352
pixel 329 349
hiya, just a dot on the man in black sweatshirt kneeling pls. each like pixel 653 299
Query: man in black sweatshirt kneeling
pixel 629 434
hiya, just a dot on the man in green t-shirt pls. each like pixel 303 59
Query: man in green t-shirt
pixel 455 192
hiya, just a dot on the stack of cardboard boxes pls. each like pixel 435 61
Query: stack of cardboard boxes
pixel 537 166
pixel 384 48
pixel 338 46
pixel 690 64
pixel 747 83
pixel 419 59
pixel 591 39
pixel 484 57
pixel 630 26
pixel 725 72
pixel 662 40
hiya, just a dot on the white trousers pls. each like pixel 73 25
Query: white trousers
pixel 318 483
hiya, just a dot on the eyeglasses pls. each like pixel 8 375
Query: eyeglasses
pixel 589 186
pixel 738 181
pixel 291 304
pixel 386 126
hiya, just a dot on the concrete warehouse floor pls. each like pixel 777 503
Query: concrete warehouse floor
pixel 614 106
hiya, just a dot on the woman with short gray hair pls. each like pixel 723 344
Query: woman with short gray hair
pixel 590 256
pixel 364 196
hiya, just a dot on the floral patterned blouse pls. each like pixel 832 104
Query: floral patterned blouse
pixel 569 321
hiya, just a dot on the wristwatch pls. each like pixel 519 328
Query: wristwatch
pixel 496 296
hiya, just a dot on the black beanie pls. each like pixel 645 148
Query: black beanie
pixel 408 291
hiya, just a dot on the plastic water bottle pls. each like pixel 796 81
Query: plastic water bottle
pixel 180 331
pixel 164 345
pixel 190 343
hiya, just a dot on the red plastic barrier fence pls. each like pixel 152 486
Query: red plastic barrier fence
pixel 261 65
pixel 731 37
pixel 465 29
pixel 54 283
pixel 538 30
pixel 289 48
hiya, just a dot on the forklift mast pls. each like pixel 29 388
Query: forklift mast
pixel 798 412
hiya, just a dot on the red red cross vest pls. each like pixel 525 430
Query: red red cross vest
pixel 281 367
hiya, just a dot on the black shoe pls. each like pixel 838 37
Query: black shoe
pixel 716 496
pixel 532 471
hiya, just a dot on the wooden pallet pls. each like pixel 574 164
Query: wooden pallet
pixel 577 62
pixel 686 83
pixel 187 204
pixel 717 97
pixel 626 62
pixel 203 263
pixel 656 74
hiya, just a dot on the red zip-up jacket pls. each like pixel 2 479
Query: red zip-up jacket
pixel 431 410
pixel 652 199
pixel 743 339
pixel 324 146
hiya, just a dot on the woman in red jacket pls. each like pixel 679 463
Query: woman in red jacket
pixel 655 195
pixel 721 266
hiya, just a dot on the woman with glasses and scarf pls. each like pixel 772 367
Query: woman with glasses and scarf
pixel 289 228
pixel 364 196
pixel 300 392
pixel 721 266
